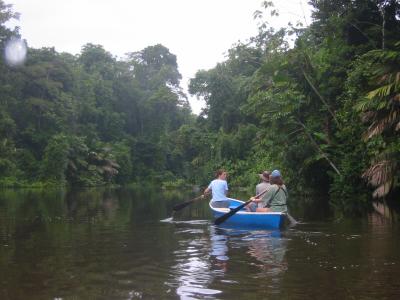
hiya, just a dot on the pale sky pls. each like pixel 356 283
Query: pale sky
pixel 198 32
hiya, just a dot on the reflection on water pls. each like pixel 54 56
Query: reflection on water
pixel 269 249
pixel 202 258
pixel 192 268
pixel 203 262
pixel 219 247
pixel 110 244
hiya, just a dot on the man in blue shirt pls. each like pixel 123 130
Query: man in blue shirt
pixel 219 189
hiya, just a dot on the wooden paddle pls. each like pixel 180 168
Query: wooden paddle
pixel 226 216
pixel 186 203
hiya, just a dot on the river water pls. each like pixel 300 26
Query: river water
pixel 123 244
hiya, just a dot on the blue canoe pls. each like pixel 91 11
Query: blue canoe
pixel 264 220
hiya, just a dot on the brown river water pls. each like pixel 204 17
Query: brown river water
pixel 123 244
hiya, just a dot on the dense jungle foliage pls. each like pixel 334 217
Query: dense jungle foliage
pixel 325 109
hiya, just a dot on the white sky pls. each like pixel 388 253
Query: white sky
pixel 198 32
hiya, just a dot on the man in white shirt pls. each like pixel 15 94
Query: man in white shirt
pixel 219 189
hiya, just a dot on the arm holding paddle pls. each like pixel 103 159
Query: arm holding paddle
pixel 222 189
pixel 207 191
pixel 252 206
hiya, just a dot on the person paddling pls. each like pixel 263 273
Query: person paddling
pixel 276 197
pixel 219 189
pixel 262 186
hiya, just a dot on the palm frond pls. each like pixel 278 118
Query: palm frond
pixel 382 124
pixel 380 175
pixel 382 91
pixel 382 190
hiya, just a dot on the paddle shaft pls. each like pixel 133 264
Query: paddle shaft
pixel 226 216
pixel 186 203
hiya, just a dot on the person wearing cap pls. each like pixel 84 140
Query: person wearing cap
pixel 219 189
pixel 276 197
pixel 264 184
pixel 260 188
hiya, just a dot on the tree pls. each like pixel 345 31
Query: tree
pixel 381 110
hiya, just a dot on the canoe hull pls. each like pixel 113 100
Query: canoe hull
pixel 267 220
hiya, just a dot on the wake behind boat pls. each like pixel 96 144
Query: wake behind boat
pixel 264 220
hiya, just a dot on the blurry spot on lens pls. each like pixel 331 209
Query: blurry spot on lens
pixel 15 52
